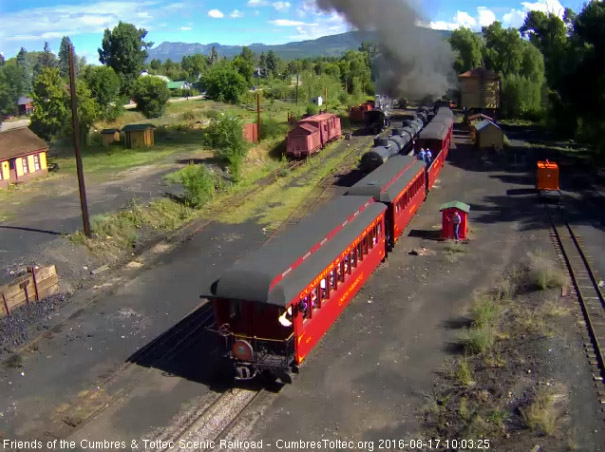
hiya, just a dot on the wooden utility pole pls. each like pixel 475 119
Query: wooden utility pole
pixel 76 135
pixel 258 115
pixel 297 88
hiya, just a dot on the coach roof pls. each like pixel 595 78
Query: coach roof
pixel 387 181
pixel 278 269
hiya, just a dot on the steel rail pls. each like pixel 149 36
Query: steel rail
pixel 587 316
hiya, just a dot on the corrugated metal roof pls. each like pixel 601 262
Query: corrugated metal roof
pixel 278 271
pixel 485 123
pixel 21 141
pixel 456 205
pixel 109 131
pixel 24 100
pixel 133 127
pixel 308 128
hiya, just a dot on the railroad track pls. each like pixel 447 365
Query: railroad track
pixel 587 290
pixel 213 420
pixel 162 349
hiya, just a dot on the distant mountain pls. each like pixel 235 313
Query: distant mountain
pixel 334 45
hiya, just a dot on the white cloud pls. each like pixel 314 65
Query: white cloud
pixel 236 14
pixel 288 23
pixel 185 28
pixel 516 17
pixel 70 20
pixel 256 3
pixel 486 16
pixel 281 6
pixel 215 14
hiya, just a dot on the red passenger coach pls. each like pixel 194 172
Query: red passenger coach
pixel 273 307
pixel 436 137
pixel 400 184
pixel 312 134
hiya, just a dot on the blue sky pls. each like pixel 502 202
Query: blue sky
pixel 29 23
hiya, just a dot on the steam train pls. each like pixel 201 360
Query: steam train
pixel 272 307
pixel 401 141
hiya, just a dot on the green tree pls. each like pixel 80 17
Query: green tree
pixel 213 57
pixel 224 135
pixel 2 60
pixel 50 101
pixel 104 85
pixel 248 55
pixel 272 63
pixel 21 57
pixel 262 62
pixel 151 95
pixel 124 50
pixel 244 68
pixel 46 59
pixel 64 50
pixel 503 49
pixel 468 48
pixel 88 111
pixel 223 83
pixel 13 86
pixel 156 64
pixel 194 66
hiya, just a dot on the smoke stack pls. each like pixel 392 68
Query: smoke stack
pixel 415 61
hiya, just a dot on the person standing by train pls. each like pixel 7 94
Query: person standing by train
pixel 428 157
pixel 422 155
pixel 456 220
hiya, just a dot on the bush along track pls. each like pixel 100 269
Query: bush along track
pixel 510 379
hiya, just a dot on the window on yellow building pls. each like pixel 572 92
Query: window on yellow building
pixel 36 162
pixel 24 165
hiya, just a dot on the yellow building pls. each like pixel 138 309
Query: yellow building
pixel 22 156
pixel 479 89
pixel 139 135
pixel 489 135
pixel 110 136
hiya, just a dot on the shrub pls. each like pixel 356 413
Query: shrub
pixel 151 95
pixel 270 127
pixel 540 414
pixel 485 312
pixel 312 109
pixel 464 372
pixel 543 273
pixel 225 136
pixel 479 339
pixel 199 185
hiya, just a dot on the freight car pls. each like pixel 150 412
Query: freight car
pixel 312 134
pixel 272 307
pixel 377 120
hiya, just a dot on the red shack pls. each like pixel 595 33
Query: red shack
pixel 447 211
pixel 356 113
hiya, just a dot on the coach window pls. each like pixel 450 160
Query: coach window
pixel 334 278
pixel 359 252
pixel 379 229
pixel 343 269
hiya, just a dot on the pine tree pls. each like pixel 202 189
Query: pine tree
pixel 213 58
pixel 64 56
pixel 46 59
pixel 21 58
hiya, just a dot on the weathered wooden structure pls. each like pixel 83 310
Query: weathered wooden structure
pixel 37 284
pixel 479 89
pixel 110 136
pixel 138 135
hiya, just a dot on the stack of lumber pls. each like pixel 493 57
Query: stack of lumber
pixel 34 286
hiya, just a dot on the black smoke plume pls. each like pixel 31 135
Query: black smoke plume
pixel 414 62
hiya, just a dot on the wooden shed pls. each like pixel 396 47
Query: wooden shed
pixel 139 135
pixel 489 135
pixel 22 156
pixel 110 136
pixel 479 89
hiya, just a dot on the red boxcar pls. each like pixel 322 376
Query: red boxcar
pixel 303 140
pixel 356 114
pixel 327 128
pixel 273 306
pixel 400 184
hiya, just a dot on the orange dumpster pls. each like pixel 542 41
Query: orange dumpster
pixel 547 176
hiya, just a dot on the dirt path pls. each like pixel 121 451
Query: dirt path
pixel 51 208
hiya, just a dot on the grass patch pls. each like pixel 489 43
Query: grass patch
pixel 540 415
pixel 543 273
pixel 479 339
pixel 453 251
pixel 485 311
pixel 464 372
pixel 14 361
pixel 116 232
